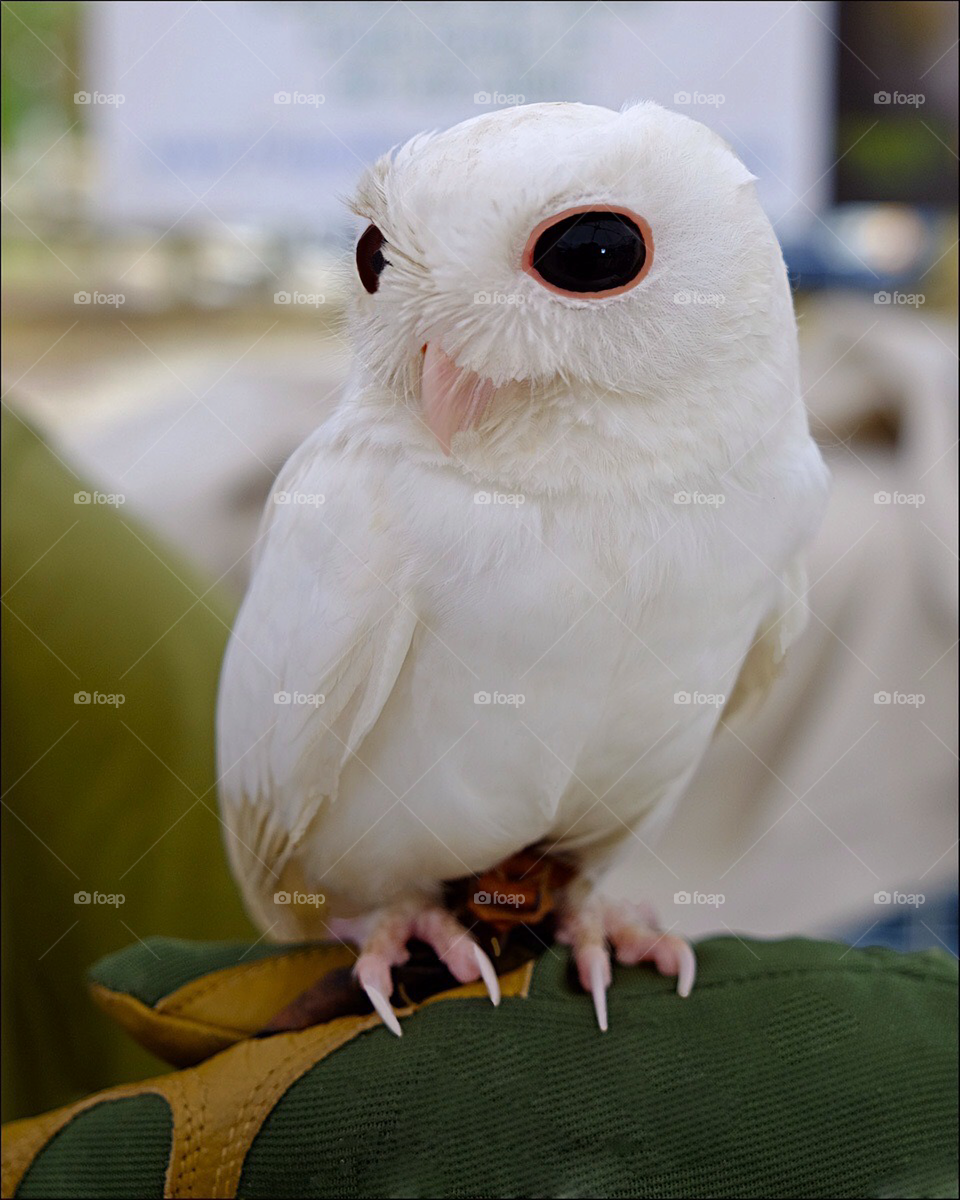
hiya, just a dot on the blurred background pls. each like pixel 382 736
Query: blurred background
pixel 174 255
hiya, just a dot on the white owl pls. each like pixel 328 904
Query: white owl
pixel 572 474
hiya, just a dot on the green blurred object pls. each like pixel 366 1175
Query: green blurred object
pixel 114 799
pixel 41 61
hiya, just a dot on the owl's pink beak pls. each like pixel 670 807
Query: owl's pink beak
pixel 453 399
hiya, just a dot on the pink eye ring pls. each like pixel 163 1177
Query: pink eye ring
pixel 590 251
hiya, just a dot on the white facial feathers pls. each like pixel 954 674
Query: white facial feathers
pixel 456 209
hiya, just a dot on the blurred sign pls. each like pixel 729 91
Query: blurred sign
pixel 267 112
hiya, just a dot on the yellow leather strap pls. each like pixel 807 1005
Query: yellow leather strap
pixel 220 1008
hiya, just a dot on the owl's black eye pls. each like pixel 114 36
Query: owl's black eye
pixel 370 260
pixel 590 252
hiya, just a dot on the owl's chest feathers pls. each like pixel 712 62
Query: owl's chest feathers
pixel 596 618
pixel 520 570
pixel 672 528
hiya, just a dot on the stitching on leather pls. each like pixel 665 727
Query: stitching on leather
pixel 176 1181
pixel 258 1106
pixel 261 1102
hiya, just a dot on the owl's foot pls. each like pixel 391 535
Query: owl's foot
pixel 384 946
pixel 633 933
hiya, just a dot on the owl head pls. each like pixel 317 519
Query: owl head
pixel 554 248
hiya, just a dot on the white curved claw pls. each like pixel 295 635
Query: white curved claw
pixel 382 1005
pixel 688 970
pixel 597 964
pixel 491 982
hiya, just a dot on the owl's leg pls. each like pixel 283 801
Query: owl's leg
pixel 383 945
pixel 591 926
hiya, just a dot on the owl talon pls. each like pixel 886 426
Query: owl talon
pixel 687 972
pixel 488 974
pixel 382 1006
pixel 594 963
pixel 631 932
pixel 384 937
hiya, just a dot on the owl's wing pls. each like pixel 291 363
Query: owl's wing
pixel 314 655
pixel 779 630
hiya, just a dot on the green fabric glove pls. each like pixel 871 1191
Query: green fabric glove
pixel 795 1068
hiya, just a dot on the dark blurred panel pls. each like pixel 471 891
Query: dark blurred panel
pixel 896 133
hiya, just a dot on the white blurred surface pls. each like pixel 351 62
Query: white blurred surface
pixel 200 130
